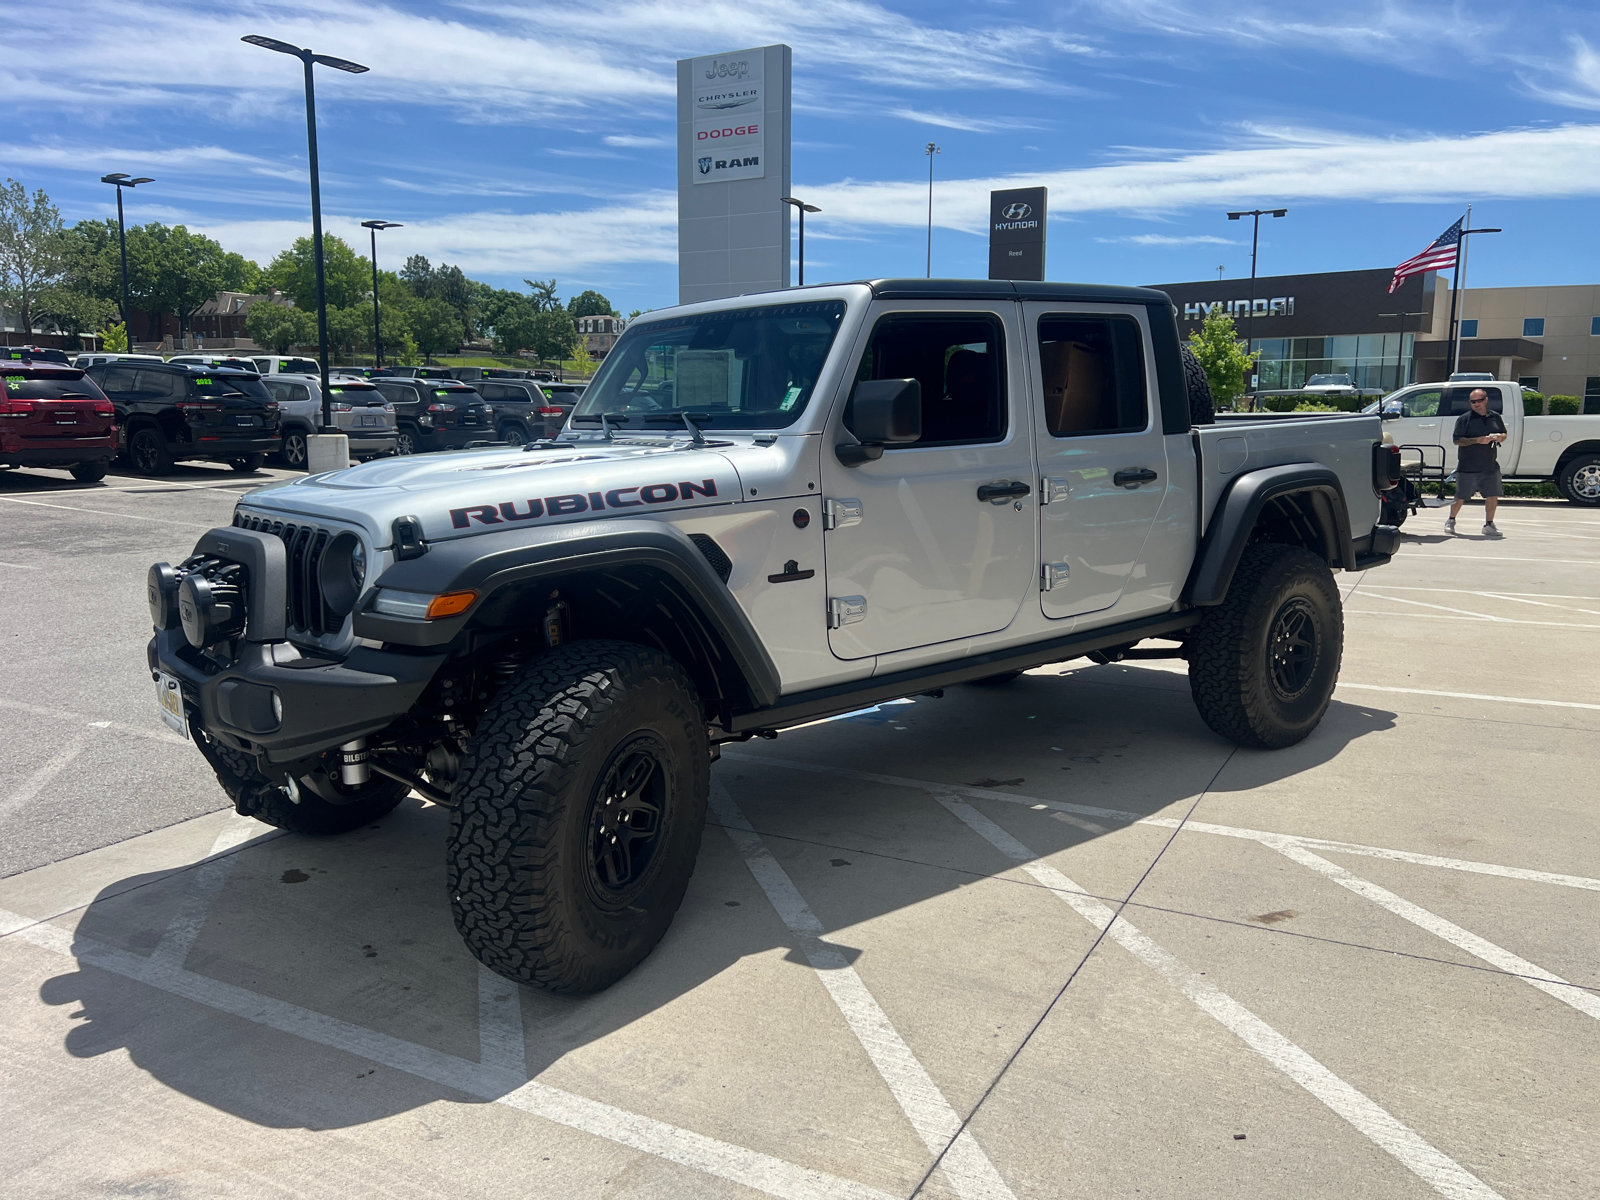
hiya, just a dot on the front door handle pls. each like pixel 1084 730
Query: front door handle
pixel 1003 491
pixel 1133 477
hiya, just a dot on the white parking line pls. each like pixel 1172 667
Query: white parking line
pixel 1377 612
pixel 762 1172
pixel 1378 687
pixel 1132 818
pixel 205 886
pixel 1439 1171
pixel 1368 591
pixel 102 512
pixel 1414 553
pixel 35 782
pixel 965 1164
pixel 1455 591
pixel 502 1045
pixel 156 733
pixel 1496 956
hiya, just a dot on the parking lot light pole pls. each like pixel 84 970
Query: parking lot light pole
pixel 120 180
pixel 930 150
pixel 377 334
pixel 1399 354
pixel 310 58
pixel 803 208
pixel 1453 363
pixel 1255 241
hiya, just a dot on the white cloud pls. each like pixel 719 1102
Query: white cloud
pixel 968 124
pixel 1580 88
pixel 1274 166
pixel 637 142
pixel 1162 239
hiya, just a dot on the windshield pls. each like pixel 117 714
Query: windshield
pixel 233 391
pixel 58 386
pixel 748 368
pixel 1340 380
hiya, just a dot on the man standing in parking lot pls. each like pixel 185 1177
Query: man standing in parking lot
pixel 1478 434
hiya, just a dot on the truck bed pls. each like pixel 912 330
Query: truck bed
pixel 1240 442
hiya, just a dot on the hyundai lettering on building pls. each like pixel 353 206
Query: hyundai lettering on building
pixel 1277 306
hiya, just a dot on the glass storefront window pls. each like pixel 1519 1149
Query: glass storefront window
pixel 1371 360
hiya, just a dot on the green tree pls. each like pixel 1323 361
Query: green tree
pixel 89 255
pixel 417 274
pixel 179 271
pixel 436 327
pixel 346 274
pixel 30 250
pixel 115 338
pixel 544 294
pixel 590 304
pixel 555 336
pixel 73 312
pixel 1222 353
pixel 279 327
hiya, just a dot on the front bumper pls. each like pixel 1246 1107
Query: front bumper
pixel 322 703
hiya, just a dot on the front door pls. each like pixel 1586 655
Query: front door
pixel 914 555
pixel 1102 459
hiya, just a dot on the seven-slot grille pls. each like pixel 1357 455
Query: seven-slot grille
pixel 303 547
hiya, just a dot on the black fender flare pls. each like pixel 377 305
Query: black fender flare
pixel 1241 507
pixel 1572 452
pixel 487 563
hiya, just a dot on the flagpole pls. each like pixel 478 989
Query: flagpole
pixel 1461 270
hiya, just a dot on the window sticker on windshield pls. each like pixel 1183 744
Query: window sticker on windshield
pixel 789 398
pixel 16 380
pixel 203 382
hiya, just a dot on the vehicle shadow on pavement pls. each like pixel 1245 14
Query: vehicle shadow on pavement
pixel 358 928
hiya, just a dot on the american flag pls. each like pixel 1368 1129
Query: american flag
pixel 1440 256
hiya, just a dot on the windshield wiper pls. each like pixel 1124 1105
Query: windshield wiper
pixel 688 419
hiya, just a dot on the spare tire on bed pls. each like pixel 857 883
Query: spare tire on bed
pixel 1201 410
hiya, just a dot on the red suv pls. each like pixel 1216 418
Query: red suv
pixel 55 416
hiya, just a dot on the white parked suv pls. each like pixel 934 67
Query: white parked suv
pixel 359 410
pixel 765 510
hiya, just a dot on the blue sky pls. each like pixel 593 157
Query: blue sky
pixel 536 139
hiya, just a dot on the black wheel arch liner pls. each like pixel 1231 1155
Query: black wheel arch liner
pixel 1239 510
pixel 487 563
pixel 1576 450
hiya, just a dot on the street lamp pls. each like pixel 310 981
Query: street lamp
pixel 120 180
pixel 309 58
pixel 1255 238
pixel 930 150
pixel 804 208
pixel 377 336
pixel 1399 354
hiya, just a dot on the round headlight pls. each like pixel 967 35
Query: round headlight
pixel 342 573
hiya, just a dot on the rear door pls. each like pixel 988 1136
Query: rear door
pixel 1103 468
pixel 916 556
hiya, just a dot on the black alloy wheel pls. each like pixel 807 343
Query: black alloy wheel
pixel 149 453
pixel 294 450
pixel 625 820
pixel 1293 646
pixel 512 435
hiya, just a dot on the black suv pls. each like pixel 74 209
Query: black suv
pixel 436 414
pixel 522 412
pixel 173 411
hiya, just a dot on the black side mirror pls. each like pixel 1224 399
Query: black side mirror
pixel 883 412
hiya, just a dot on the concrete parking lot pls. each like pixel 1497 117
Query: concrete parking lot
pixel 1048 939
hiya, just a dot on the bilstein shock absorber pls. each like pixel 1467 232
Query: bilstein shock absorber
pixel 353 768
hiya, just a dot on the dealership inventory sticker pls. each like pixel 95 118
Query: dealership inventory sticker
pixel 727 117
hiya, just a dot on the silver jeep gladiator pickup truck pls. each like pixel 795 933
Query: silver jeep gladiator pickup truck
pixel 763 511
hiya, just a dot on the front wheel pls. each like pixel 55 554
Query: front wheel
pixel 247 464
pixel 512 435
pixel 1579 480
pixel 580 805
pixel 294 450
pixel 1263 663
pixel 89 472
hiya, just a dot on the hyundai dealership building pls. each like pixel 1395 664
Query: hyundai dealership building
pixel 1348 322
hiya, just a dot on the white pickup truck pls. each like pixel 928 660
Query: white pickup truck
pixel 1565 449
pixel 764 510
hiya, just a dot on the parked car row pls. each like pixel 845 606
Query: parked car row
pixel 239 410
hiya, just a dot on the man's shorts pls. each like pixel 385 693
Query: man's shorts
pixel 1481 483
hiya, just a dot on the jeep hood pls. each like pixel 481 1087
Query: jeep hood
pixel 459 493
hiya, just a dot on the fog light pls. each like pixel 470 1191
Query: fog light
pixel 161 592
pixel 211 608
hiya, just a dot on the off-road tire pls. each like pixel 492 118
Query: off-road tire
pixel 148 452
pixel 254 795
pixel 89 472
pixel 248 464
pixel 1281 597
pixel 1579 480
pixel 1202 408
pixel 525 884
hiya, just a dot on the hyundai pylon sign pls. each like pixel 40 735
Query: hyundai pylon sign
pixel 733 172
pixel 1016 233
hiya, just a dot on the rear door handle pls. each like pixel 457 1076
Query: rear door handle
pixel 1003 491
pixel 1133 477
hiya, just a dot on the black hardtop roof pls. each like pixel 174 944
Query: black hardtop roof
pixel 1011 289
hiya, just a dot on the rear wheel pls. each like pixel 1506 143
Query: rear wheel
pixel 1263 663
pixel 1579 480
pixel 248 464
pixel 294 450
pixel 512 435
pixel 580 805
pixel 89 472
pixel 405 441
pixel 148 452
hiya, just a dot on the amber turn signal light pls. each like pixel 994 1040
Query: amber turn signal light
pixel 450 604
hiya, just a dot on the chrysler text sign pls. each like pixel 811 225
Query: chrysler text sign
pixel 1016 233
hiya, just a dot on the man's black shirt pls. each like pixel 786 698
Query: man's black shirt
pixel 1473 459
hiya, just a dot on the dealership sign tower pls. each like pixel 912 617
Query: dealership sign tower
pixel 733 172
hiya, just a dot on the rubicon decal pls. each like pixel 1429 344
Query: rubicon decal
pixel 511 511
